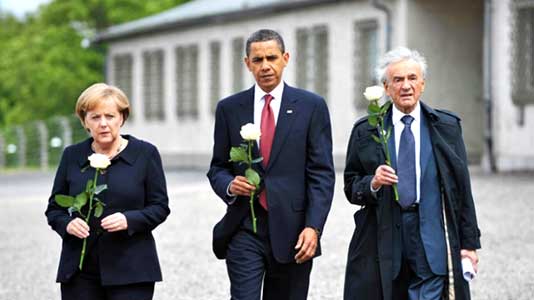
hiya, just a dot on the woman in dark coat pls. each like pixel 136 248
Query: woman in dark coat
pixel 121 261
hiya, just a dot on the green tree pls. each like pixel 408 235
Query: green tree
pixel 43 65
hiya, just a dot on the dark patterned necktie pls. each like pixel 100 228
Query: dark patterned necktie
pixel 406 165
pixel 266 140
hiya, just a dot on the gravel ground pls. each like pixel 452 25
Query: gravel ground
pixel 29 249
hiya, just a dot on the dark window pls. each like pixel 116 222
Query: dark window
pixel 187 81
pixel 123 73
pixel 523 53
pixel 365 59
pixel 215 74
pixel 237 64
pixel 312 59
pixel 153 85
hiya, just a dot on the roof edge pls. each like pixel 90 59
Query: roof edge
pixel 244 14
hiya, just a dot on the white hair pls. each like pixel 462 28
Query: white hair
pixel 396 55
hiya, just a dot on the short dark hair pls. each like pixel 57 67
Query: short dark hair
pixel 264 35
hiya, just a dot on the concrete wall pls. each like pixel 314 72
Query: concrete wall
pixel 449 34
pixel 514 143
pixel 188 143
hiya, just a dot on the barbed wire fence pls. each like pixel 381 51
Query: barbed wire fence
pixel 38 145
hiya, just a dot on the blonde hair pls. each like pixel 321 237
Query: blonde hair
pixel 98 92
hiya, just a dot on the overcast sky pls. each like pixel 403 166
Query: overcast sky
pixel 20 7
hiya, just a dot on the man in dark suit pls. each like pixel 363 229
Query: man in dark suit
pixel 411 248
pixel 297 179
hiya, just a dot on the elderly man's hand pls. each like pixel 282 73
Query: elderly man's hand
pixel 384 175
pixel 472 255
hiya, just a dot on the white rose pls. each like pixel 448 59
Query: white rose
pixel 99 161
pixel 374 92
pixel 250 132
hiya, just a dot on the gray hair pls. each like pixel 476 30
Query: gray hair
pixel 396 55
pixel 264 35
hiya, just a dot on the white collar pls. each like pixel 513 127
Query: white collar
pixel 276 92
pixel 397 114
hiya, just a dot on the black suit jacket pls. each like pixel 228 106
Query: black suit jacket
pixel 299 177
pixel 137 188
pixel 375 245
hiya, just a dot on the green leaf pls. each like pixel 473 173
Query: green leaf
pixel 100 188
pixel 257 160
pixel 80 200
pixel 373 108
pixel 373 121
pixel 253 177
pixel 99 209
pixel 376 139
pixel 238 154
pixel 64 200
pixel 385 107
pixel 89 185
pixel 84 168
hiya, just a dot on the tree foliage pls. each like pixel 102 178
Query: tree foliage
pixel 43 65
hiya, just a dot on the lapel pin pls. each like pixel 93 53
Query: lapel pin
pixel 289 111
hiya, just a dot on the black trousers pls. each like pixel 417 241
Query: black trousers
pixel 83 287
pixel 250 263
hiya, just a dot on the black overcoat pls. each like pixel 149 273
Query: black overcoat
pixel 375 244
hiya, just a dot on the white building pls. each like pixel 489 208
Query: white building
pixel 177 64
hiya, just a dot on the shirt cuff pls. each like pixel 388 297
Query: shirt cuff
pixel 371 187
pixel 373 191
pixel 231 197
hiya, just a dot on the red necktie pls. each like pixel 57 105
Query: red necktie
pixel 266 140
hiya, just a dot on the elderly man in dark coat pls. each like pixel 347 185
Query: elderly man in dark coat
pixel 411 248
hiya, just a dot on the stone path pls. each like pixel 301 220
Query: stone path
pixel 29 249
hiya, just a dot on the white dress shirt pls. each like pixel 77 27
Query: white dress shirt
pixel 416 130
pixel 259 102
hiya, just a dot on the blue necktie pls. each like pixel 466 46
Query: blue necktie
pixel 406 165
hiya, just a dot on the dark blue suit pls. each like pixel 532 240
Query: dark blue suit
pixel 430 221
pixel 422 237
pixel 299 178
pixel 137 188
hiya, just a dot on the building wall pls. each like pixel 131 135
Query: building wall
pixel 449 34
pixel 189 142
pixel 514 142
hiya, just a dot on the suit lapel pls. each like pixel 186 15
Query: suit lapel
pixel 286 116
pixel 246 115
pixel 426 145
pixel 388 123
